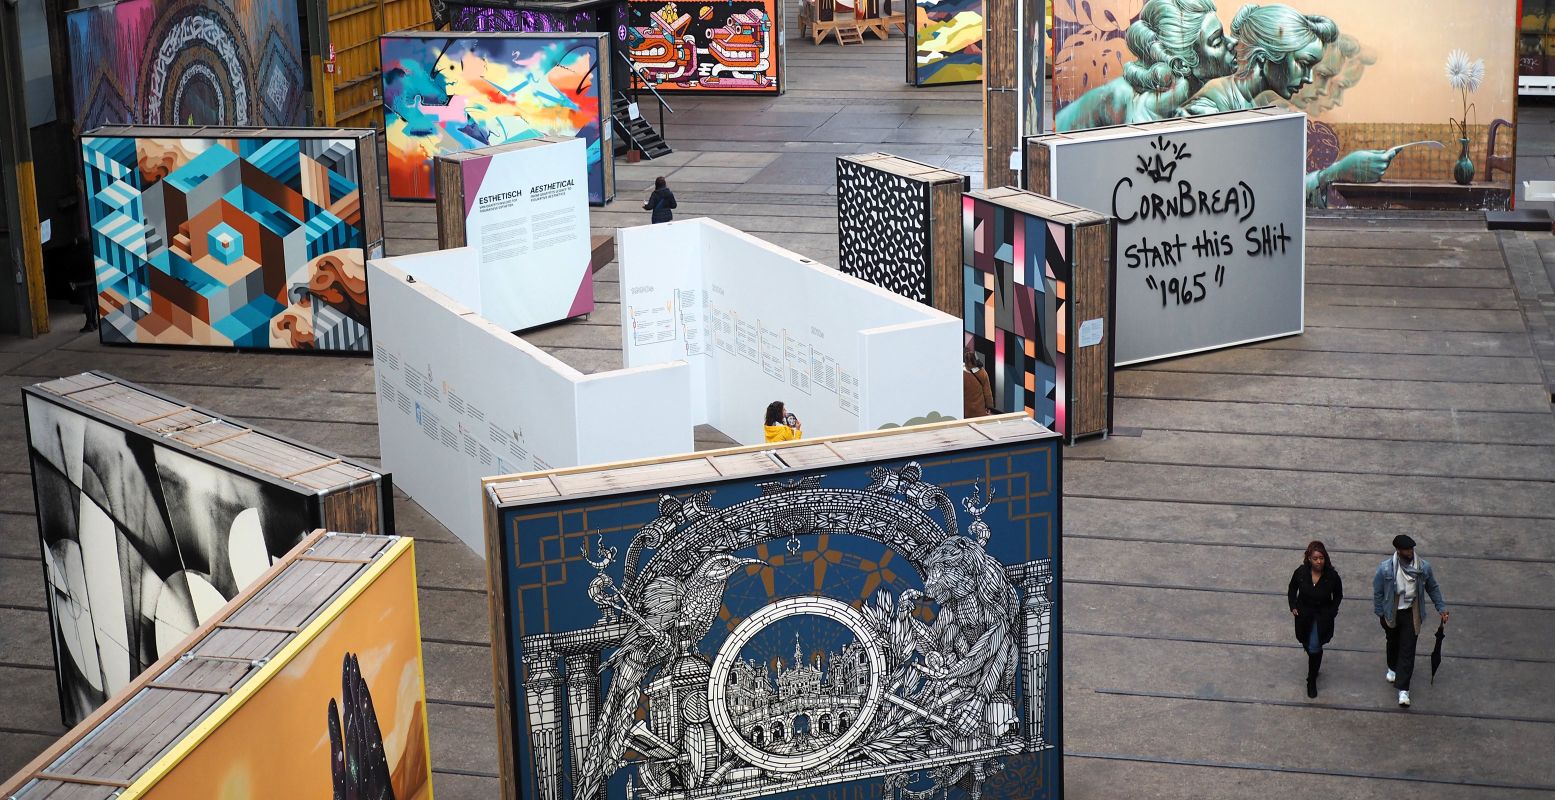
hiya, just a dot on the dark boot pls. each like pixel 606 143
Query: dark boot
pixel 1314 663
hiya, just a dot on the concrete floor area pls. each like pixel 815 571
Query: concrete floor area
pixel 1415 402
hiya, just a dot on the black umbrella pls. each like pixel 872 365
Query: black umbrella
pixel 1436 652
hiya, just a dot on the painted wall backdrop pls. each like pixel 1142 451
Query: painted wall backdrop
pixel 186 62
pixel 792 639
pixel 141 543
pixel 245 242
pixel 947 42
pixel 723 46
pixel 1017 270
pixel 486 19
pixel 1387 105
pixel 344 718
pixel 443 94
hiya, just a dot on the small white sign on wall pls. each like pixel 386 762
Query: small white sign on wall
pixel 1091 332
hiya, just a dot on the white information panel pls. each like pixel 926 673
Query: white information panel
pixel 1211 225
pixel 527 218
pixel 460 399
pixel 758 323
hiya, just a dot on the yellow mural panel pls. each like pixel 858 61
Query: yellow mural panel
pixel 340 711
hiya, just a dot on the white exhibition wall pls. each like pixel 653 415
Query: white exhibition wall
pixel 461 398
pixel 758 323
pixel 526 214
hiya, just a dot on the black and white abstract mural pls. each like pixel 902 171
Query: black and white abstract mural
pixel 141 543
pixel 883 229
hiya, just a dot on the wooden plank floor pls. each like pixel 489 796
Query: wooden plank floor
pixel 1407 407
pixel 1415 402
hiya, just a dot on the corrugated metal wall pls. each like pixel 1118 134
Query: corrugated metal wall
pixel 350 96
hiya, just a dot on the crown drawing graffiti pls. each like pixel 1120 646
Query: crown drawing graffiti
pixel 1162 164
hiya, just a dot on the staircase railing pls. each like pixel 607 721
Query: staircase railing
pixel 649 86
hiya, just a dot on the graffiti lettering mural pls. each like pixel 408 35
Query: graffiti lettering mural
pixel 1210 225
pixel 186 62
pixel 443 94
pixel 727 46
pixel 485 19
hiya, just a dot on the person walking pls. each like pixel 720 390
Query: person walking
pixel 1315 594
pixel 976 395
pixel 661 202
pixel 1395 597
pixel 781 426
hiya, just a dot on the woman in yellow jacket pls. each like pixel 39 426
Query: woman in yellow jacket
pixel 781 426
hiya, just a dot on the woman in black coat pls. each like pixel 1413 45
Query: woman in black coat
pixel 661 202
pixel 1315 594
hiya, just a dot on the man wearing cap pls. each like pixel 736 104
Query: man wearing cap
pixel 1395 594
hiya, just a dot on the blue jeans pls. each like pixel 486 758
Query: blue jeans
pixel 1314 645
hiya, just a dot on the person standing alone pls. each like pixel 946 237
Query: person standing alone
pixel 1315 594
pixel 781 426
pixel 1396 594
pixel 661 202
pixel 976 396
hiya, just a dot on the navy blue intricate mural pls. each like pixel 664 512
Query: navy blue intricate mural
pixel 890 625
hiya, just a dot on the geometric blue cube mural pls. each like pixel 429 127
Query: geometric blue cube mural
pixel 251 241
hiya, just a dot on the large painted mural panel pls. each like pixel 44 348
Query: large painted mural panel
pixel 186 62
pixel 443 94
pixel 945 42
pixel 141 543
pixel 1017 273
pixel 344 716
pixel 1402 115
pixel 252 242
pixel 792 637
pixel 723 46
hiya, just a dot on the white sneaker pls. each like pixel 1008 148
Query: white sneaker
pixel 1391 675
pixel 1403 699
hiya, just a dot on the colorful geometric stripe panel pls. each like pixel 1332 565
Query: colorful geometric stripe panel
pixel 186 62
pixel 245 242
pixel 1017 270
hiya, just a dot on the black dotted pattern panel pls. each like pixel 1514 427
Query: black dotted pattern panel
pixel 882 229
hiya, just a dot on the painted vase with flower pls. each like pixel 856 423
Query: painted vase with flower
pixel 1465 76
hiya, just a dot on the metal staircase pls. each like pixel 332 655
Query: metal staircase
pixel 638 133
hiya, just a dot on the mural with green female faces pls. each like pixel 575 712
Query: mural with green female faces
pixel 1402 121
